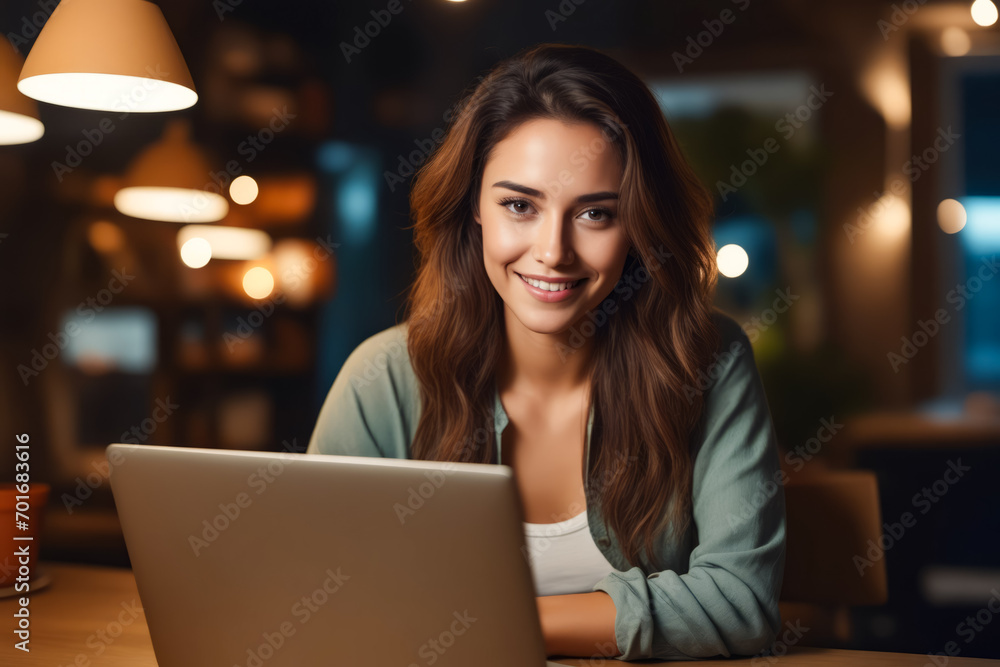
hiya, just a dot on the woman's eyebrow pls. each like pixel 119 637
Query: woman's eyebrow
pixel 532 192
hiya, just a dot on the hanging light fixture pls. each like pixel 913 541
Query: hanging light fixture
pixel 19 123
pixel 227 242
pixel 170 181
pixel 108 55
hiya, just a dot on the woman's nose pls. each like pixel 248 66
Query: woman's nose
pixel 553 245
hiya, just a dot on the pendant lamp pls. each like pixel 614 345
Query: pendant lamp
pixel 108 55
pixel 19 122
pixel 170 181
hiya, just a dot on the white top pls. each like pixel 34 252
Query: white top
pixel 563 556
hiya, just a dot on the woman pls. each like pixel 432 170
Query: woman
pixel 561 323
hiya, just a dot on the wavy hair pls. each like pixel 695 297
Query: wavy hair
pixel 646 355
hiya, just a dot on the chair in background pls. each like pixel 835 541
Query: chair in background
pixel 831 518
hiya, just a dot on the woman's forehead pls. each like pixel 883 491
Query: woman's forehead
pixel 555 157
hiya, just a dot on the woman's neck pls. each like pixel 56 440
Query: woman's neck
pixel 539 365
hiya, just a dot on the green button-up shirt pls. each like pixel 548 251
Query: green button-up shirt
pixel 719 593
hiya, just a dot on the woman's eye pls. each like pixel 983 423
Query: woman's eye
pixel 519 207
pixel 602 215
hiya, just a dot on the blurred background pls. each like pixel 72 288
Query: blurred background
pixel 851 148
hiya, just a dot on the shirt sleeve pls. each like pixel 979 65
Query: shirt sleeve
pixel 727 602
pixel 342 427
pixel 363 414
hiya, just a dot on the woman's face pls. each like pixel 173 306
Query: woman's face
pixel 548 207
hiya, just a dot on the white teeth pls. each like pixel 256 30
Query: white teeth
pixel 549 287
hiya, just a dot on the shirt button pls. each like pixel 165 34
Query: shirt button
pixel 653 576
pixel 604 541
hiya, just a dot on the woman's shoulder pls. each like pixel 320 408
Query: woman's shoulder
pixel 732 363
pixel 374 404
pixel 381 356
pixel 380 365
pixel 729 329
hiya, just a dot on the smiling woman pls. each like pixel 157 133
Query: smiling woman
pixel 561 323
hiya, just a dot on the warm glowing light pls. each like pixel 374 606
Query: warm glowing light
pixel 984 13
pixel 108 92
pixel 17 128
pixel 243 190
pixel 951 216
pixel 19 120
pixel 196 252
pixel 105 237
pixel 171 204
pixel 886 85
pixel 732 260
pixel 228 242
pixel 258 282
pixel 892 214
pixel 955 41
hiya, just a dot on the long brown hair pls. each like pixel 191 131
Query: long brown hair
pixel 647 354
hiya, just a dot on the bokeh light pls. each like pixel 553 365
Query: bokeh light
pixel 732 260
pixel 258 282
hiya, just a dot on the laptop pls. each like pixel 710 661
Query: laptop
pixel 277 559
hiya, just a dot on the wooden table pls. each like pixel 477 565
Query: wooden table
pixel 90 616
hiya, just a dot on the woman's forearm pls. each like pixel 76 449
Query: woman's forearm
pixel 579 625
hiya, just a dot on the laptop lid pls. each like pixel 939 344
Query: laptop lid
pixel 267 559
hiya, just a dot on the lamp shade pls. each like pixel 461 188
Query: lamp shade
pixel 108 55
pixel 19 123
pixel 170 181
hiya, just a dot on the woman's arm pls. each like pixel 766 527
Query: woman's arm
pixel 580 625
pixel 727 601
